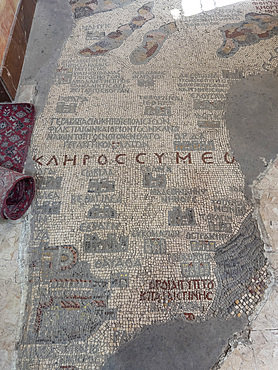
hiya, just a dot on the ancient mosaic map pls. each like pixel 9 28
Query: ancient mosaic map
pixel 140 213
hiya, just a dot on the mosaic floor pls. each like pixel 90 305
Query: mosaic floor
pixel 144 221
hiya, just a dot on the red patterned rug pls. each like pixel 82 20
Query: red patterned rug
pixel 16 193
pixel 16 190
pixel 16 126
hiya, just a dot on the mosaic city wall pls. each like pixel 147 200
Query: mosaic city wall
pixel 140 215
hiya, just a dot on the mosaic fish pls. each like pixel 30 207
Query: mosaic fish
pixel 255 28
pixel 152 43
pixel 115 39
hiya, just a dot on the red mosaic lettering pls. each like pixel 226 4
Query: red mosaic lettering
pixel 188 156
pixel 117 158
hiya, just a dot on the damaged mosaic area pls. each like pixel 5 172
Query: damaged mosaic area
pixel 140 215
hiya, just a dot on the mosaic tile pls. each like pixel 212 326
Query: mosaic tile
pixel 140 214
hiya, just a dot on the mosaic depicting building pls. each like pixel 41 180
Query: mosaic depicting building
pixel 144 230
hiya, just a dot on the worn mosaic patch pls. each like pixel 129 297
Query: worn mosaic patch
pixel 140 212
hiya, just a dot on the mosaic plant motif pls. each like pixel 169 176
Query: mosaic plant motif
pixel 83 8
pixel 152 43
pixel 255 28
pixel 115 39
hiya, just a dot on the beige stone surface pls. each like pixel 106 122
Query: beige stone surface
pixel 242 358
pixel 266 192
pixel 10 291
pixel 267 318
pixel 265 352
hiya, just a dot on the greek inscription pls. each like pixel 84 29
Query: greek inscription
pixel 118 145
pixel 232 206
pixel 179 191
pixel 97 172
pixel 160 169
pixel 95 198
pixel 205 236
pixel 78 121
pixel 216 217
pixel 178 199
pixel 209 105
pixel 50 195
pixel 153 100
pixel 141 158
pixel 266 6
pixel 196 257
pixel 155 234
pixel 113 244
pixel 203 87
pixel 92 35
pixel 94 27
pixel 158 110
pixel 98 80
pixel 194 145
pixel 217 17
pixel 209 124
pixel 178 290
pixel 147 79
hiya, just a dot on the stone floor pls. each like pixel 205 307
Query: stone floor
pixel 152 240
